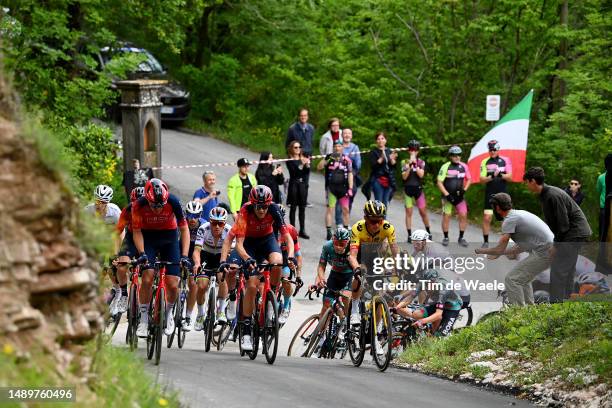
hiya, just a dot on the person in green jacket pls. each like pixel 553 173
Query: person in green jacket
pixel 239 186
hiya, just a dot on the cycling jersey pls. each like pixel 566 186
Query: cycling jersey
pixel 193 232
pixel 112 213
pixel 443 299
pixel 489 166
pixel 359 234
pixel 170 218
pixel 453 176
pixel 249 226
pixel 294 235
pixel 125 219
pixel 413 178
pixel 338 262
pixel 435 256
pixel 207 242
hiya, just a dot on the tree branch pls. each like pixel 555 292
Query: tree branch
pixel 417 37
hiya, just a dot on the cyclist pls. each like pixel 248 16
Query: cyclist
pixel 102 206
pixel 413 172
pixel 454 179
pixel 193 214
pixel 157 219
pixel 373 229
pixel 429 255
pixel 206 256
pixel 285 307
pixel 127 250
pixel 254 229
pixel 495 171
pixel 440 308
pixel 336 253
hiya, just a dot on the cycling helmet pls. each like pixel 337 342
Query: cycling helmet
pixel 414 145
pixel 454 150
pixel 541 296
pixel 589 277
pixel 374 208
pixel 260 195
pixel 341 234
pixel 218 214
pixel 156 192
pixel 194 207
pixel 136 193
pixel 419 235
pixel 431 275
pixel 103 193
pixel 493 145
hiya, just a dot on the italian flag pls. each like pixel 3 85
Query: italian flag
pixel 511 133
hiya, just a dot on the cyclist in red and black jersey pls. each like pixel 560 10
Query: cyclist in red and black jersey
pixel 256 242
pixel 285 307
pixel 156 220
pixel 126 251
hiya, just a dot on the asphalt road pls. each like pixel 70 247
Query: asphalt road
pixel 224 378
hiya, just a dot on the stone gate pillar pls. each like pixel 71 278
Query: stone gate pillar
pixel 141 122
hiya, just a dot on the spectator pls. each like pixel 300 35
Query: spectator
pixel 382 161
pixel 602 191
pixel 303 132
pixel 495 172
pixel 571 228
pixel 299 170
pixel 207 194
pixel 338 185
pixel 136 177
pixel 604 187
pixel 531 235
pixel 270 175
pixel 453 181
pixel 239 186
pixel 326 145
pixel 413 171
pixel 352 151
pixel 575 191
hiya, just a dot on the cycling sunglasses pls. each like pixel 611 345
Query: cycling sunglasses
pixel 261 206
pixel 217 223
pixel 192 216
pixel 374 220
pixel 341 242
pixel 157 206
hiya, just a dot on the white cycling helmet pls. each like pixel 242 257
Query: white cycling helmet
pixel 419 235
pixel 218 214
pixel 103 193
pixel 194 207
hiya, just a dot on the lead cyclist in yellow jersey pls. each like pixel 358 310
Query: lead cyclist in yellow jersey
pixel 372 229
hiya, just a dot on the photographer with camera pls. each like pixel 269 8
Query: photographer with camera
pixel 453 181
pixel 270 174
pixel 207 194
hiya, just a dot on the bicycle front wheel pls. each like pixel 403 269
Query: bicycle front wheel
pixel 132 317
pixel 301 338
pixel 382 333
pixel 151 329
pixel 210 320
pixel 318 336
pixel 161 322
pixel 270 329
pixel 356 343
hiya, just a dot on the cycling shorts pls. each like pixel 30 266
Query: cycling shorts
pixel 420 202
pixel 332 200
pixel 205 272
pixel 337 281
pixel 461 208
pixel 127 246
pixel 166 244
pixel 261 248
pixel 449 318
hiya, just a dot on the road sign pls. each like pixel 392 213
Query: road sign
pixel 493 102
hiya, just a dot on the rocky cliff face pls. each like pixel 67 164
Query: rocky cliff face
pixel 48 285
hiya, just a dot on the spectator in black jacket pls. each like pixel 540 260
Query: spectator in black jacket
pixel 575 191
pixel 571 228
pixel 297 192
pixel 303 132
pixel 270 175
pixel 382 162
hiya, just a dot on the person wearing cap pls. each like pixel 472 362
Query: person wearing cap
pixel 531 235
pixel 453 181
pixel 495 172
pixel 239 186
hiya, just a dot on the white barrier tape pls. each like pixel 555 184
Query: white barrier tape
pixel 318 156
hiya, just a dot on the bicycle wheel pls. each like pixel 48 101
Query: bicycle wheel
pixel 181 334
pixel 487 316
pixel 225 333
pixel 318 334
pixel 210 319
pixel 301 338
pixel 240 327
pixel 255 330
pixel 270 329
pixel 161 322
pixel 151 328
pixel 132 317
pixel 355 339
pixel 382 333
pixel 173 315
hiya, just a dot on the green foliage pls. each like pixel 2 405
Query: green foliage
pixel 560 336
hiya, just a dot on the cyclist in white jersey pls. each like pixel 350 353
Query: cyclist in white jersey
pixel 102 206
pixel 206 255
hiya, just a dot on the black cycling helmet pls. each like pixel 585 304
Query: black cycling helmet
pixel 493 145
pixel 414 145
pixel 374 208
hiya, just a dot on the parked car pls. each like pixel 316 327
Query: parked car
pixel 176 99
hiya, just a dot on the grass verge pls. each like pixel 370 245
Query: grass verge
pixel 117 379
pixel 557 340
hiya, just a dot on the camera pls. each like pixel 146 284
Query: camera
pixel 218 192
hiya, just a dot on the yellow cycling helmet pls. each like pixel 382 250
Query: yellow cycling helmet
pixel 374 208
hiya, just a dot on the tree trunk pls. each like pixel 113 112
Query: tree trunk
pixel 202 53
